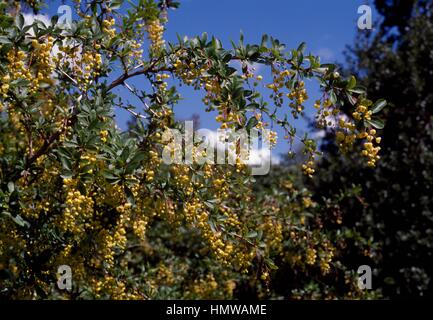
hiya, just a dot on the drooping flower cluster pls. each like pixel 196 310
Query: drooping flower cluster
pixel 155 31
pixel 78 209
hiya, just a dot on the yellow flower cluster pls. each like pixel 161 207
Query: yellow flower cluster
pixel 308 168
pixel 206 286
pixel 136 52
pixel 103 134
pixel 78 209
pixel 113 288
pixel 33 209
pixel 108 27
pixel 260 124
pixel 106 249
pixel 213 89
pixel 187 71
pixel 139 225
pixel 90 64
pixel 279 79
pixel 271 137
pixel 182 179
pixel 153 164
pixel 274 234
pixel 89 160
pixel 297 96
pixel 243 257
pixel 222 188
pixel 17 69
pixel 193 74
pixel 362 113
pixel 44 65
pixel 370 151
pixel 307 202
pixel 326 256
pixel 4 87
pixel 85 63
pixel 38 70
pixel 196 214
pixel 346 140
pixel 324 111
pixel 311 256
pixel 123 221
pixel 165 275
pixel 225 117
pixel 155 31
pixel 160 77
pixel 135 218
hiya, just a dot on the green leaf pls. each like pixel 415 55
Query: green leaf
pixel 252 123
pixel 4 40
pixel 358 90
pixel 17 219
pixel 270 264
pixel 351 98
pixel 20 21
pixel 366 102
pixel 329 67
pixel 115 4
pixel 352 83
pixel 301 47
pixel 333 97
pixel 321 70
pixel 66 163
pixel 252 234
pixel 265 39
pixel 378 106
pixel 376 123
pixel 110 177
pixel 129 196
pixel 138 157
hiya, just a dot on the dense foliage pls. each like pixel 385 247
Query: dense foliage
pixel 75 190
pixel 394 208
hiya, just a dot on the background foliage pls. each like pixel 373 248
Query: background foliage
pixel 394 208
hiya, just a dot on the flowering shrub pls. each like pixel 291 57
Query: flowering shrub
pixel 76 191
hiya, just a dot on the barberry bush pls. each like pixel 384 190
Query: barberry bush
pixel 75 190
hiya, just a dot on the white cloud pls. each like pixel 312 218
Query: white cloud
pixel 29 18
pixel 257 156
pixel 318 134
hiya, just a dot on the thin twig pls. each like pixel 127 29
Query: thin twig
pixel 70 78
pixel 139 97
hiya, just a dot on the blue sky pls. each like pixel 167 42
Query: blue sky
pixel 326 26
